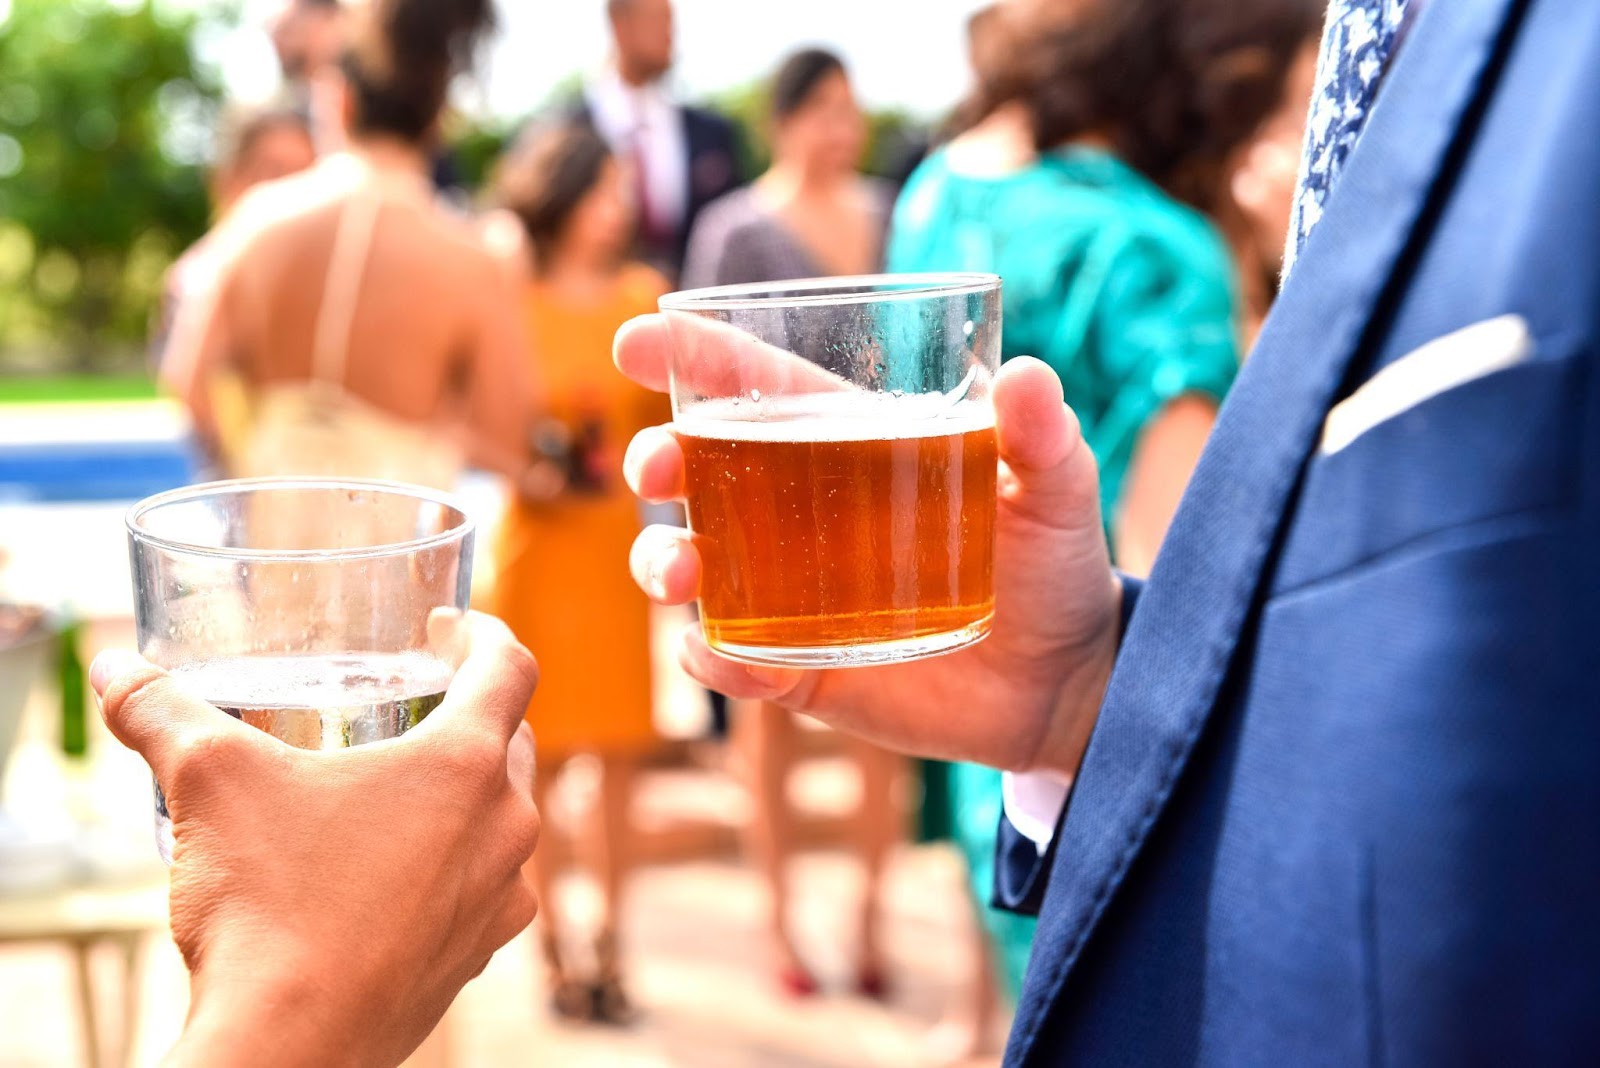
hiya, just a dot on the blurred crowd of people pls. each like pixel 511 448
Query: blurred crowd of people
pixel 1126 167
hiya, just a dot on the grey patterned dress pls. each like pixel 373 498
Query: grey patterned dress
pixel 737 239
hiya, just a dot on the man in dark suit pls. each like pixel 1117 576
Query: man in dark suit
pixel 682 157
pixel 1326 790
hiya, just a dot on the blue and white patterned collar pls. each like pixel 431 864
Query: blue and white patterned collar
pixel 1359 40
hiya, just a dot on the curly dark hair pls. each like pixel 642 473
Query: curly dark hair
pixel 546 177
pixel 403 57
pixel 992 49
pixel 1175 86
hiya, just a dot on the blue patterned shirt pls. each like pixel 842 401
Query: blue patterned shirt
pixel 1357 43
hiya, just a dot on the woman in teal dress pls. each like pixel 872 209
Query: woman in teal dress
pixel 1097 185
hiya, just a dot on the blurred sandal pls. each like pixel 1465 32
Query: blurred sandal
pixel 569 999
pixel 608 1001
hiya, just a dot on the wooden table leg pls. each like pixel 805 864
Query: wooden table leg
pixel 82 949
pixel 132 946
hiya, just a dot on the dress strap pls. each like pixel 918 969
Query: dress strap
pixel 352 247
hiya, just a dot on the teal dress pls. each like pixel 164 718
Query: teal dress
pixel 1129 296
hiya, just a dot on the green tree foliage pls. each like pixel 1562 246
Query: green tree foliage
pixel 105 116
pixel 477 147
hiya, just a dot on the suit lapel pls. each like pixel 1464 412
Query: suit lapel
pixel 1182 639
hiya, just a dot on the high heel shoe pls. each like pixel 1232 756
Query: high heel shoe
pixel 569 999
pixel 608 1000
pixel 871 983
pixel 796 982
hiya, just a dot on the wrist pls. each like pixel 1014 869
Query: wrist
pixel 283 1024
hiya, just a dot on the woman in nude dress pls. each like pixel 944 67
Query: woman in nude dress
pixel 356 328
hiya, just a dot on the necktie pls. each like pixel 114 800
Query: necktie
pixel 1360 39
pixel 641 171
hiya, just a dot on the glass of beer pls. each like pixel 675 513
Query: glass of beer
pixel 326 613
pixel 840 451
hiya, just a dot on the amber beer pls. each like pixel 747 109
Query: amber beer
pixel 821 533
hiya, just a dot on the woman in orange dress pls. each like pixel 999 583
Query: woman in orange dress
pixel 564 586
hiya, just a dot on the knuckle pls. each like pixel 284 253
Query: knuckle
pixel 521 757
pixel 522 906
pixel 523 829
pixel 486 633
pixel 473 759
pixel 510 834
pixel 512 909
pixel 524 738
pixel 516 660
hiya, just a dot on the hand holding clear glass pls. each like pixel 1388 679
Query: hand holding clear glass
pixel 325 613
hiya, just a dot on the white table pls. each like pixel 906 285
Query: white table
pixel 81 919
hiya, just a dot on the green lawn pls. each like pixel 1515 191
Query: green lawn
pixel 28 388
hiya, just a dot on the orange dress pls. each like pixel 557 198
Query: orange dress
pixel 564 587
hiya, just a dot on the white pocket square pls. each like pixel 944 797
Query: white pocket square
pixel 1442 364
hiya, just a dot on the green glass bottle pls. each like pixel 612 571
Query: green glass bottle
pixel 74 728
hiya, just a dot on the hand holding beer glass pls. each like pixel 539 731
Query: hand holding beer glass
pixel 1027 695
pixel 840 464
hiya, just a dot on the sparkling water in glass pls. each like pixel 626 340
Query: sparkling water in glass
pixel 326 613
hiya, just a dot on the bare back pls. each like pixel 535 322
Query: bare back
pixel 419 299
pixel 424 318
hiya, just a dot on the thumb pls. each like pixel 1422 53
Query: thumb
pixel 490 692
pixel 151 714
pixel 1053 478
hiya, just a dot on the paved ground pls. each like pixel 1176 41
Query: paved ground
pixel 694 933
pixel 698 971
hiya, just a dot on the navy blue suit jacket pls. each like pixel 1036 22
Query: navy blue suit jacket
pixel 716 166
pixel 1342 804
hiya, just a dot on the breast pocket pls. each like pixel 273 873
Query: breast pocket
pixel 1504 442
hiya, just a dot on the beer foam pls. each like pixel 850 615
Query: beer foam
pixel 828 417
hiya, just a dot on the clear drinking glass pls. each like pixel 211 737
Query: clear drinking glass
pixel 840 450
pixel 326 613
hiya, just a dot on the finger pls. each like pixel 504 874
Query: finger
pixel 653 465
pixel 520 761
pixel 642 350
pixel 666 565
pixel 737 679
pixel 492 690
pixel 712 359
pixel 151 714
pixel 1051 473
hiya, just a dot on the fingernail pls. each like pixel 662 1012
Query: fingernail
pixel 108 666
pixel 656 578
pixel 632 464
pixel 772 681
pixel 620 337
